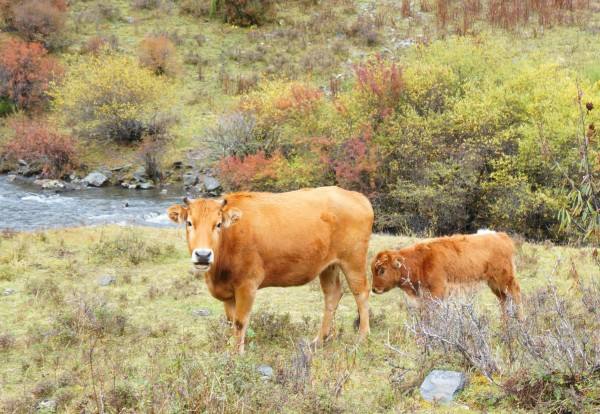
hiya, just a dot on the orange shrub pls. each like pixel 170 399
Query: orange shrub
pixel 158 54
pixel 256 171
pixel 25 72
pixel 39 144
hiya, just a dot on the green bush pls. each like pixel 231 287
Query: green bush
pixel 464 134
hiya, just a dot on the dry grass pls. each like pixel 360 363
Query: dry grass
pixel 137 345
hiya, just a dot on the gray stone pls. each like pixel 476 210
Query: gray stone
pixel 265 371
pixel 201 312
pixel 11 177
pixel 22 162
pixel 140 174
pixel 190 179
pixel 440 386
pixel 107 280
pixel 47 184
pixel 8 292
pixel 47 406
pixel 147 185
pixel 96 179
pixel 211 183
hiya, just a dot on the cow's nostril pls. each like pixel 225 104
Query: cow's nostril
pixel 203 255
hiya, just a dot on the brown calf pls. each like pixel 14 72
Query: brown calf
pixel 434 266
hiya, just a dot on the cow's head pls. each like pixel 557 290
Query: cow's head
pixel 204 220
pixel 389 270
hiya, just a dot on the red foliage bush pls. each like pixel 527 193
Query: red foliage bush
pixel 158 53
pixel 25 72
pixel 382 82
pixel 39 144
pixel 37 20
pixel 355 164
pixel 254 171
pixel 301 99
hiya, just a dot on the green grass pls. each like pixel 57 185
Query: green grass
pixel 149 349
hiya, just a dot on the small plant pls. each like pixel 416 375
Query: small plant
pixel 7 342
pixel 248 12
pixel 39 144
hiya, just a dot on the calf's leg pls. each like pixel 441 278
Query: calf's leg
pixel 332 293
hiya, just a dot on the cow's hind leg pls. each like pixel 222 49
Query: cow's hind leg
pixel 332 292
pixel 356 277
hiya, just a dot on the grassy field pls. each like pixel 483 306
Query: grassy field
pixel 140 345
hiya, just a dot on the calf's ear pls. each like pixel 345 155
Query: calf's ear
pixel 231 216
pixel 177 213
pixel 397 263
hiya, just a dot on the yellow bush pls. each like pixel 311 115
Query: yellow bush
pixel 111 96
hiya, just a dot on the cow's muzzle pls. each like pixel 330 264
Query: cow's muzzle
pixel 377 291
pixel 202 258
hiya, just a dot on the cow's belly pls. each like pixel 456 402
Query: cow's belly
pixel 292 277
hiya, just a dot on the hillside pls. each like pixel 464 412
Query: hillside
pixel 154 339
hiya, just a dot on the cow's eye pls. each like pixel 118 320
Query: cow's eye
pixel 380 271
pixel 219 225
pixel 189 223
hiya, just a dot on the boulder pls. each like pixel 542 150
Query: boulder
pixel 210 183
pixel 265 371
pixel 190 179
pixel 440 386
pixel 107 280
pixel 96 179
pixel 140 174
pixel 47 184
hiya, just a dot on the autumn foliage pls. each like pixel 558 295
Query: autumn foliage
pixel 39 144
pixel 159 55
pixel 35 20
pixel 252 171
pixel 25 73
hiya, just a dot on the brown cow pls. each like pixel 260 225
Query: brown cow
pixel 434 266
pixel 248 241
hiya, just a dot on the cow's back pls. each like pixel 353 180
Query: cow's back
pixel 295 235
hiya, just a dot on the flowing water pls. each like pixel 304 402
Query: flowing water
pixel 24 206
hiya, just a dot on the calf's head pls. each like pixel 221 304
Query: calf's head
pixel 389 270
pixel 205 220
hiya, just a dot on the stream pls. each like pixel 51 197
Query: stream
pixel 24 206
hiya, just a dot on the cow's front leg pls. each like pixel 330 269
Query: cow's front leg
pixel 244 298
pixel 229 309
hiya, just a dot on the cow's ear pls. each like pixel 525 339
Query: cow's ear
pixel 231 216
pixel 177 213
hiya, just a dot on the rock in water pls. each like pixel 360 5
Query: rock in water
pixel 440 386
pixel 48 184
pixel 96 179
pixel 106 280
pixel 265 371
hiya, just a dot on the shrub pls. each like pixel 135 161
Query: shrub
pixel 39 21
pixel 96 45
pixel 158 54
pixel 255 171
pixel 233 135
pixel 248 12
pixel 111 96
pixel 25 73
pixel 39 144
